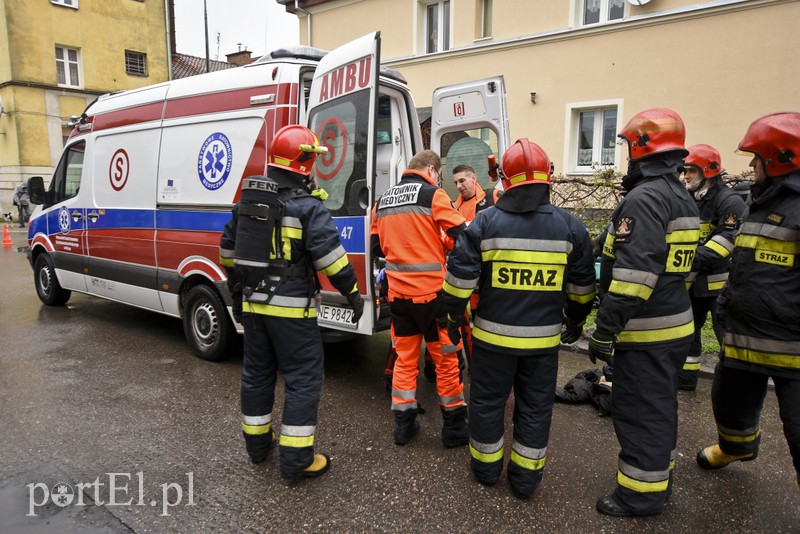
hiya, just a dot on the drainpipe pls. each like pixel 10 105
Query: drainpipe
pixel 308 20
pixel 167 16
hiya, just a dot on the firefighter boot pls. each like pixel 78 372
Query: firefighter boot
pixel 319 466
pixel 715 458
pixel 406 426
pixel 455 431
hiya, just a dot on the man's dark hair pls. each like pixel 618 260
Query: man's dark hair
pixel 463 168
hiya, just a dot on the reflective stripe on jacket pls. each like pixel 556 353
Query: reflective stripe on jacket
pixel 652 242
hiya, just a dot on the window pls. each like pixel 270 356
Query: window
pixel 486 18
pixel 341 125
pixel 437 27
pixel 67 179
pixel 67 3
pixel 470 147
pixel 597 11
pixel 68 66
pixel 595 137
pixel 135 63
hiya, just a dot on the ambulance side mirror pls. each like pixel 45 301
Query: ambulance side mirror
pixel 36 191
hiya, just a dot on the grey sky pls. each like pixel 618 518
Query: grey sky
pixel 259 25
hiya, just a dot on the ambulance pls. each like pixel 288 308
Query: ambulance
pixel 137 203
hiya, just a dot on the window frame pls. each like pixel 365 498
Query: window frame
pixel 143 56
pixel 487 9
pixel 68 82
pixel 443 22
pixel 572 135
pixel 72 4
pixel 604 9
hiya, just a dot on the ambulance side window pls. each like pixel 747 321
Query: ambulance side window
pixel 342 125
pixel 306 75
pixel 67 179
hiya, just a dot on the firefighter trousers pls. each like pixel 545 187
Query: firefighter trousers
pixel 293 347
pixel 644 408
pixel 533 378
pixel 701 306
pixel 415 319
pixel 737 397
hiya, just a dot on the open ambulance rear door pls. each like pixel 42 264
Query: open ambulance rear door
pixel 342 112
pixel 469 122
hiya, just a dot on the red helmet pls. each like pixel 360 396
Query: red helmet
pixel 525 163
pixel 706 158
pixel 653 131
pixel 776 140
pixel 294 148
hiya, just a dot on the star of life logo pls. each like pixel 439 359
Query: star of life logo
pixel 214 161
pixel 63 220
pixel 112 489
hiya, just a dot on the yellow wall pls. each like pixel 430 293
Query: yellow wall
pixel 102 31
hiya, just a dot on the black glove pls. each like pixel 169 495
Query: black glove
pixel 354 299
pixel 236 308
pixel 454 333
pixel 601 347
pixel 571 331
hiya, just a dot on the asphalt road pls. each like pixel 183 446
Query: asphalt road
pixel 96 393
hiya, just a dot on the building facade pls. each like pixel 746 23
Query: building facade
pixel 56 56
pixel 577 70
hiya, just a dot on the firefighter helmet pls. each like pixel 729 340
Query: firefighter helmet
pixel 294 148
pixel 706 158
pixel 525 163
pixel 775 139
pixel 654 131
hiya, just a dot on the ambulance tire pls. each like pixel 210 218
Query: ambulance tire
pixel 47 287
pixel 206 324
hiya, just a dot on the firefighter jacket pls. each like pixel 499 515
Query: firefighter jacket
pixel 309 241
pixel 721 210
pixel 529 260
pixel 646 259
pixel 407 226
pixel 483 198
pixel 762 295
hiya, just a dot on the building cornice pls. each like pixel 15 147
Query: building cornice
pixel 670 16
pixel 49 87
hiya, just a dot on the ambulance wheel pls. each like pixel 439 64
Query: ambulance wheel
pixel 47 287
pixel 206 323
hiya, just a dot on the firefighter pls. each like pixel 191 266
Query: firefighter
pixel 758 305
pixel 407 226
pixel 644 322
pixel 721 209
pixel 278 309
pixel 532 262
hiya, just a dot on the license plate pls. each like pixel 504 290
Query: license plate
pixel 335 315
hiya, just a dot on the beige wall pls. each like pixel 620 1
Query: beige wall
pixel 719 67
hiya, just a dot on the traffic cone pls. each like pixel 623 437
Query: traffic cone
pixel 7 237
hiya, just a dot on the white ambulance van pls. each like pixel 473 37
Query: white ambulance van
pixel 147 179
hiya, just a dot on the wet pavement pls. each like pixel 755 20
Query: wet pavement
pixel 95 394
